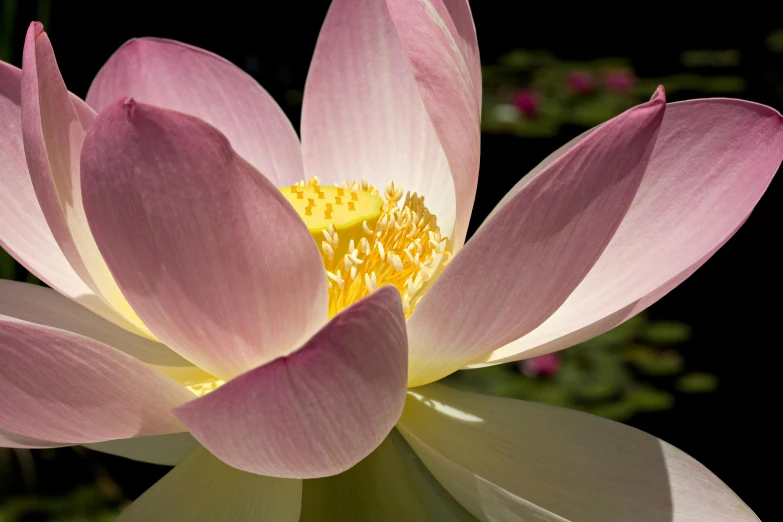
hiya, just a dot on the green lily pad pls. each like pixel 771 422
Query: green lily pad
pixel 696 382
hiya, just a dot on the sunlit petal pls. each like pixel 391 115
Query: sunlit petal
pixel 203 489
pixel 526 260
pixel 208 251
pixel 194 81
pixel 525 461
pixel 320 410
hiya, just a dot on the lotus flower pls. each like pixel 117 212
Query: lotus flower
pixel 620 80
pixel 580 82
pixel 527 101
pixel 542 366
pixel 272 317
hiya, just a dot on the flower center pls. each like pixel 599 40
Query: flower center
pixel 370 240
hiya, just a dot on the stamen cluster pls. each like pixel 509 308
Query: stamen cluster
pixel 403 248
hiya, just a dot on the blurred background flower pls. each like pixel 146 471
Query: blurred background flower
pixel 636 367
pixel 548 92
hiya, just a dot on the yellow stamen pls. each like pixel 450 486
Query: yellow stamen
pixel 203 388
pixel 373 241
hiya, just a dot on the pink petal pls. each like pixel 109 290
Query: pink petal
pixel 363 114
pixel 712 162
pixel 61 387
pixel 43 306
pixel 14 440
pixel 464 32
pixel 320 410
pixel 206 249
pixel 53 133
pixel 24 232
pixel 187 79
pixel 446 81
pixel 524 262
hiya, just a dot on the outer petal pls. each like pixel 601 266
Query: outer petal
pixel 203 489
pixel 14 440
pixel 505 459
pixel 62 387
pixel 53 133
pixel 519 268
pixel 42 306
pixel 464 33
pixel 207 250
pixel 187 79
pixel 390 485
pixel 320 410
pixel 167 450
pixel 712 162
pixel 24 232
pixel 445 79
pixel 363 114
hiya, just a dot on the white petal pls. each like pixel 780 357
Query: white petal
pixel 506 459
pixel 203 489
pixel 167 450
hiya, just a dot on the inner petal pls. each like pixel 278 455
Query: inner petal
pixel 369 239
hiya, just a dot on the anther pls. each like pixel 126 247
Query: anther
pixel 351 206
pixel 327 249
pixel 340 192
pixel 300 195
pixel 338 200
pixel 337 278
pixel 354 196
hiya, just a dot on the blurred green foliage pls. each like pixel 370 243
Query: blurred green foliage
pixel 534 93
pixel 7 29
pixel 775 41
pixel 83 504
pixel 633 368
pixel 7 266
pixel 62 485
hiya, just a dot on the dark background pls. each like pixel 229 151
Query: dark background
pixel 732 302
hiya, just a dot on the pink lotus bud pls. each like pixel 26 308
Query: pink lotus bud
pixel 541 366
pixel 581 82
pixel 620 80
pixel 527 101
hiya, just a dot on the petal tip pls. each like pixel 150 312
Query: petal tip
pixel 37 28
pixel 659 95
